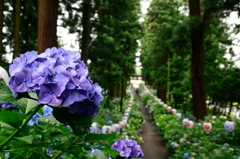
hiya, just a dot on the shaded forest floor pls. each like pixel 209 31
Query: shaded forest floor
pixel 153 145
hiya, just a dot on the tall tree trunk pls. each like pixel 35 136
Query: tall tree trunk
pixel 122 87
pixel 163 92
pixel 1 32
pixel 47 24
pixel 197 61
pixel 168 81
pixel 115 91
pixel 86 30
pixel 16 27
pixel 158 90
pixel 230 109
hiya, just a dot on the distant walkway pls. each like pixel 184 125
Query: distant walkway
pixel 153 146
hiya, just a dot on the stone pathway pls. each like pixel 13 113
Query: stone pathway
pixel 153 146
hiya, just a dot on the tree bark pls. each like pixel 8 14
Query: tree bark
pixel 197 61
pixel 230 109
pixel 1 32
pixel 47 24
pixel 163 92
pixel 86 30
pixel 16 28
pixel 168 81
pixel 121 102
pixel 158 93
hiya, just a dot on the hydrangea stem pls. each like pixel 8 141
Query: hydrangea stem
pixel 60 153
pixel 24 123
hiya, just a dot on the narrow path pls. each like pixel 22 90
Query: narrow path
pixel 153 146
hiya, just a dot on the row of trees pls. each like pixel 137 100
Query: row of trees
pixel 108 37
pixel 183 54
pixel 27 25
pixel 107 32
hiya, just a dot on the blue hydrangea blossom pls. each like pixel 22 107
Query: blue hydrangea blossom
pixel 47 111
pixel 34 120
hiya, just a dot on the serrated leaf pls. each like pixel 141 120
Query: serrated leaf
pixel 5 93
pixel 28 139
pixel 11 118
pixel 110 152
pixel 26 104
pixel 100 137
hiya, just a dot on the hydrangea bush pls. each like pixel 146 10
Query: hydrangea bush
pixel 195 142
pixel 48 107
pixel 59 78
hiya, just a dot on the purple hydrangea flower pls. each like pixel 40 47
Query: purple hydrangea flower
pixel 21 62
pixel 128 148
pixel 49 94
pixel 84 108
pixel 20 82
pixel 89 106
pixel 7 105
pixel 59 78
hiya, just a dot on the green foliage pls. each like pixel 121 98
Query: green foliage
pixel 114 48
pixel 28 139
pixel 27 104
pixel 28 19
pixel 166 50
pixel 180 139
pixel 79 124
pixel 12 118
pixel 100 137
pixel 5 93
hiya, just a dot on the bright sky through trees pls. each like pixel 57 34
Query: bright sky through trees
pixel 70 41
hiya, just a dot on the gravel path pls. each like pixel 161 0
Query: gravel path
pixel 153 146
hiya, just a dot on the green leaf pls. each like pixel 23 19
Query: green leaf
pixel 103 102
pixel 49 119
pixel 5 93
pixel 101 106
pixel 55 124
pixel 28 139
pixel 100 137
pixel 11 118
pixel 7 126
pixel 26 104
pixel 98 155
pixel 110 152
pixel 33 95
pixel 64 130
